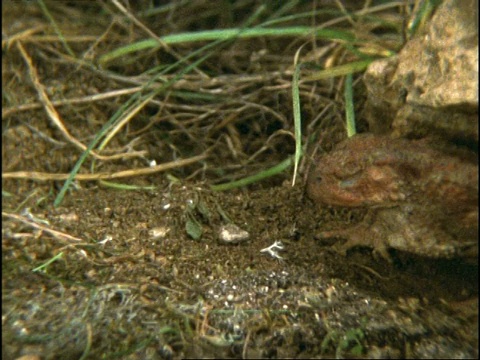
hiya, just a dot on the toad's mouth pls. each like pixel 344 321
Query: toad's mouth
pixel 342 198
pixel 333 194
pixel 350 192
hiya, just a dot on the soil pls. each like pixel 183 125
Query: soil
pixel 144 273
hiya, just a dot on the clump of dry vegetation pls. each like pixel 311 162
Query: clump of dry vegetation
pixel 202 81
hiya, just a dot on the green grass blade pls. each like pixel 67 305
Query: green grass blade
pixel 120 186
pixel 50 261
pixel 56 28
pixel 349 109
pixel 297 120
pixel 422 15
pixel 227 34
pixel 340 70
pixel 277 169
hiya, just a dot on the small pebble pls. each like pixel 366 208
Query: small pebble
pixel 232 234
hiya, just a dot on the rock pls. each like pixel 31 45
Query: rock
pixel 431 86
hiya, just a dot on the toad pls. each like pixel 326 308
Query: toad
pixel 422 199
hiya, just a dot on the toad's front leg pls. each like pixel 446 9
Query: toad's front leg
pixel 406 228
pixel 368 233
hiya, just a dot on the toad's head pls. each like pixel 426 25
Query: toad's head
pixel 360 171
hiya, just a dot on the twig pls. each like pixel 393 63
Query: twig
pixel 41 176
pixel 33 224
pixel 86 99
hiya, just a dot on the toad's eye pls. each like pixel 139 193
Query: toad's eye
pixel 350 181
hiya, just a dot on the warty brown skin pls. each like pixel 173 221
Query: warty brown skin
pixel 424 200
